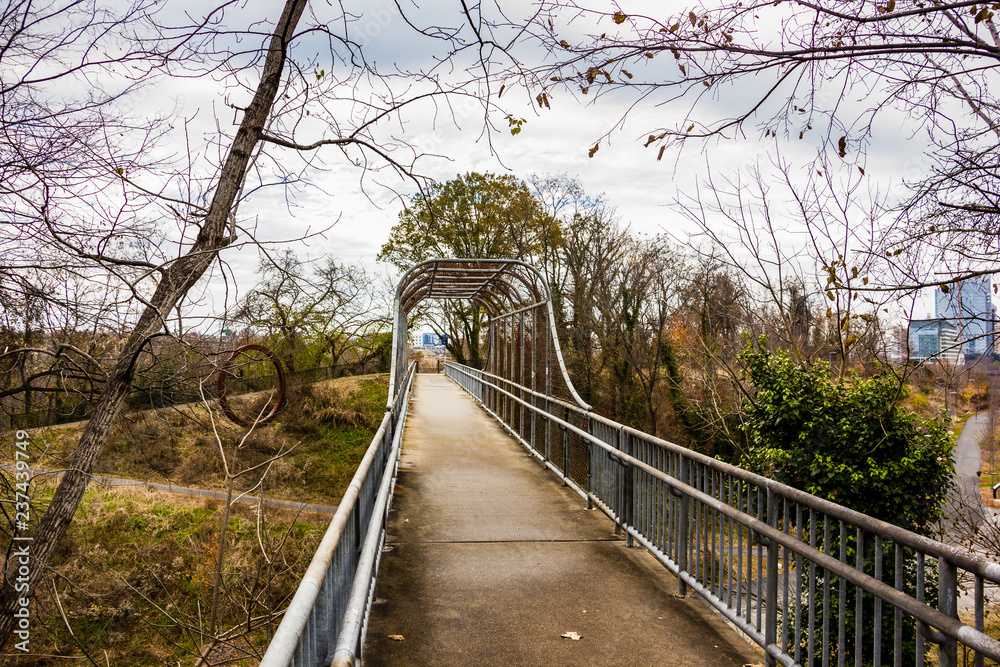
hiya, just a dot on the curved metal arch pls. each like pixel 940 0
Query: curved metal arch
pixel 451 279
pixel 501 285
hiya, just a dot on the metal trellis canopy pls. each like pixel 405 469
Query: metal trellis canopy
pixel 523 346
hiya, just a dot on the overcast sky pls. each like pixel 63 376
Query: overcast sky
pixel 552 141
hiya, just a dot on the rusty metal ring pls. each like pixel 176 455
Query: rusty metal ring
pixel 224 373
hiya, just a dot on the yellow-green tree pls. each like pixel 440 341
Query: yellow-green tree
pixel 475 215
pixel 484 216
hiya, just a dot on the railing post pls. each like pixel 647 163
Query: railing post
pixel 548 429
pixel 682 532
pixel 617 494
pixel 771 589
pixel 629 508
pixel 591 451
pixel 948 604
pixel 565 447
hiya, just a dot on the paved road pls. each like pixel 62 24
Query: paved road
pixel 490 561
pixel 965 510
pixel 191 491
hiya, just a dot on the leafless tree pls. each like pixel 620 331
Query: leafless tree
pixel 817 74
pixel 794 256
pixel 90 192
pixel 636 315
pixel 595 244
pixel 313 314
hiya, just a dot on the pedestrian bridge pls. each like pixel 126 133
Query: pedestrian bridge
pixel 494 512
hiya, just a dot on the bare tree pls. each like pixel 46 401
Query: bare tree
pixel 90 193
pixel 595 244
pixel 807 71
pixel 312 315
pixel 804 263
pixel 635 336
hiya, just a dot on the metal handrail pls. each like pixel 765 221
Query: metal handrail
pixel 331 604
pixel 704 519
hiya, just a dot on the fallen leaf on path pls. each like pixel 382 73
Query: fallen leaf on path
pixel 396 638
pixel 571 635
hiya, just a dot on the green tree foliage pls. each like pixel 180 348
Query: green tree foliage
pixel 477 216
pixel 849 441
pixel 846 440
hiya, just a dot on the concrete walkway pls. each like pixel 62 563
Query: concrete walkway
pixel 964 498
pixel 490 560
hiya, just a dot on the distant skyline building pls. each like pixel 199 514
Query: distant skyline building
pixel 963 323
pixel 934 338
pixel 429 340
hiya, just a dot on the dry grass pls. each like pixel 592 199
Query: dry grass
pixel 324 431
pixel 137 566
pixel 136 570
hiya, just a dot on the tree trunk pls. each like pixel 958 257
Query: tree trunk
pixel 177 279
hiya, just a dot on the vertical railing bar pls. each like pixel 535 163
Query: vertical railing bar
pixel 799 565
pixel 520 425
pixel 877 649
pixel 719 543
pixel 812 589
pixel 548 430
pixel 739 547
pixel 707 518
pixel 673 518
pixel 629 492
pixel 534 378
pixel 683 525
pixel 591 455
pixel 651 498
pixel 842 603
pixel 565 466
pixel 948 604
pixel 920 598
pixel 496 354
pixel 750 558
pixel 709 531
pixel 669 510
pixel 630 480
pixel 548 392
pixel 859 600
pixel 729 551
pixel 826 594
pixel 897 634
pixel 760 563
pixel 643 481
pixel 696 542
pixel 979 592
pixel 510 375
pixel 785 629
pixel 770 600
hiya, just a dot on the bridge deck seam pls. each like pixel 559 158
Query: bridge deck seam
pixel 566 541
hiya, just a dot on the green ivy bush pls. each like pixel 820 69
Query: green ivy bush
pixel 849 441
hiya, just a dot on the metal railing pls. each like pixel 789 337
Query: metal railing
pixel 327 618
pixel 810 581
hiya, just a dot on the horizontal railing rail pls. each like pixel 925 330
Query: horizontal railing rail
pixel 810 581
pixel 329 611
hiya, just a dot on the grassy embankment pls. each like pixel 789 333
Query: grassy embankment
pixel 133 582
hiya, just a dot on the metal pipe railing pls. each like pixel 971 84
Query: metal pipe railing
pixel 329 610
pixel 810 581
